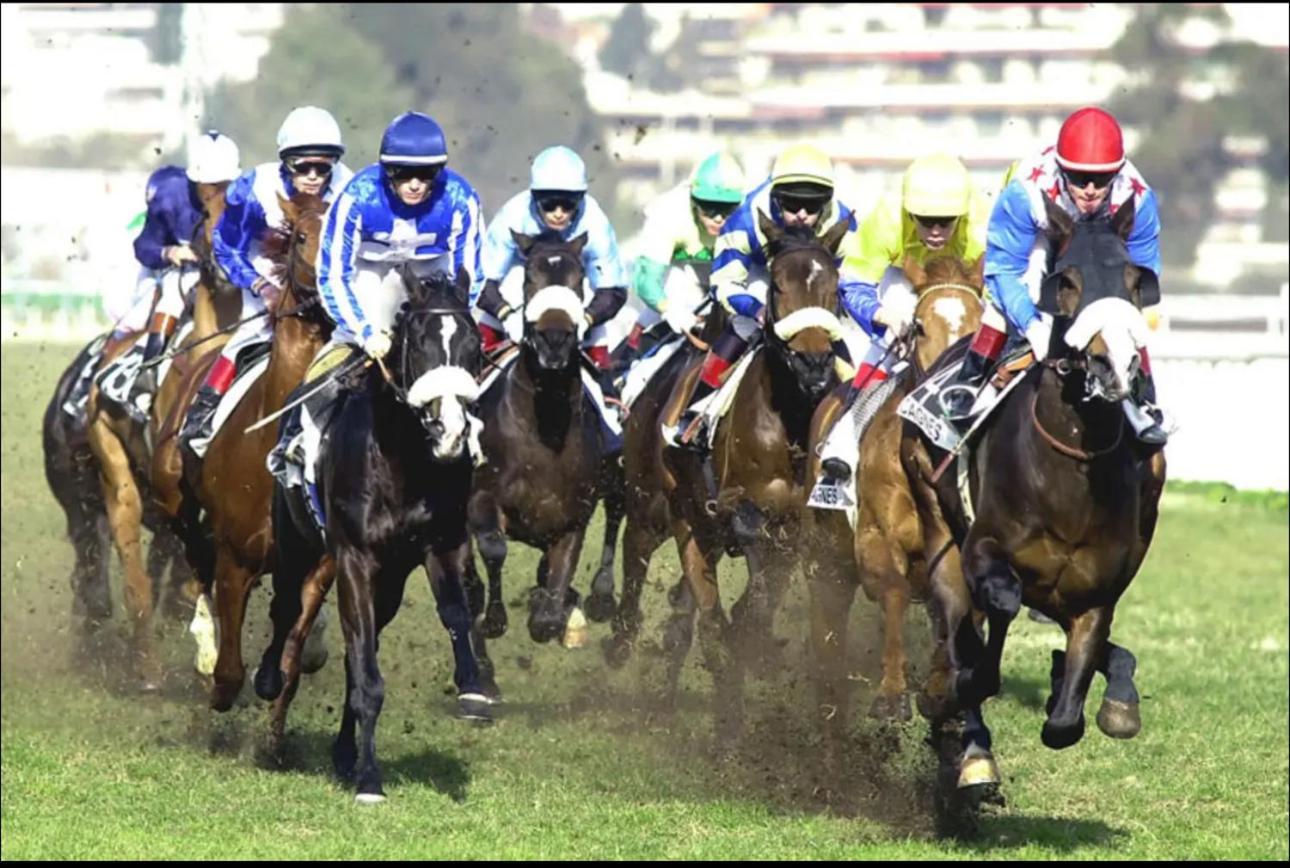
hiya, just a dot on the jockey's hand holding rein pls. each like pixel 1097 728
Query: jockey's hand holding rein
pixel 178 254
pixel 378 345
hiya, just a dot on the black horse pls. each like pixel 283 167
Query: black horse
pixel 395 473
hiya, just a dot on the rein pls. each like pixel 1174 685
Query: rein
pixel 1062 367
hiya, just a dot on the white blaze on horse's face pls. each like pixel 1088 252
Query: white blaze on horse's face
pixel 953 312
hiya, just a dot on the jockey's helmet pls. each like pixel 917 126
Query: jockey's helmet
pixel 309 130
pixel 1090 141
pixel 802 172
pixel 937 185
pixel 558 168
pixel 413 139
pixel 718 179
pixel 213 158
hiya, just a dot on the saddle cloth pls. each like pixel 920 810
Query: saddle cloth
pixel 644 368
pixel 245 379
pixel 845 496
pixel 74 406
pixel 923 405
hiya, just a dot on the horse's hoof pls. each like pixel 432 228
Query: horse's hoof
pixel 575 631
pixel 369 798
pixel 600 607
pixel 475 707
pixel 1059 737
pixel 494 626
pixel 1119 719
pixel 891 707
pixel 268 682
pixel 977 769
pixel 223 695
pixel 617 651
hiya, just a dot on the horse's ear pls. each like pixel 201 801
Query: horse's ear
pixel 914 272
pixel 833 238
pixel 1060 224
pixel 1122 220
pixel 977 270
pixel 578 243
pixel 462 286
pixel 769 228
pixel 522 241
pixel 1148 285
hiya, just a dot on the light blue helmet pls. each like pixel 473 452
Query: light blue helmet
pixel 558 168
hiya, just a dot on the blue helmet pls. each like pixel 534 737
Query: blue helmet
pixel 413 139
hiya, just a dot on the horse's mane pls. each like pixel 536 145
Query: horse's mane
pixel 947 268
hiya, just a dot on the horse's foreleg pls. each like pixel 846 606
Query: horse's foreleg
pixel 1086 651
pixel 553 608
pixel 1119 717
pixel 884 567
pixel 639 543
pixel 366 687
pixel 997 592
pixel 486 525
pixel 312 594
pixel 954 635
pixel 232 587
pixel 600 602
pixel 125 520
pixel 447 572
pixel 700 566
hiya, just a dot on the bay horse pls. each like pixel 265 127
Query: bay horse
pixel 394 476
pixel 758 465
pixel 884 554
pixel 543 442
pixel 1065 503
pixel 232 481
pixel 109 451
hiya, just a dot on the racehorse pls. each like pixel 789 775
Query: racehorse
pixel 543 442
pixel 753 503
pixel 91 464
pixel 394 477
pixel 884 554
pixel 232 481
pixel 1065 503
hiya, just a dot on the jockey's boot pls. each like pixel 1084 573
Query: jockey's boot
pixel 850 425
pixel 1141 410
pixel 958 396
pixel 162 327
pixel 201 415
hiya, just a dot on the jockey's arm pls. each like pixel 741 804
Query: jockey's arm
pixel 860 299
pixel 605 272
pixel 150 246
pixel 732 258
pixel 337 256
pixel 466 244
pixel 490 300
pixel 605 304
pixel 866 254
pixel 1010 240
pixel 242 223
pixel 1144 241
pixel 647 281
pixel 499 254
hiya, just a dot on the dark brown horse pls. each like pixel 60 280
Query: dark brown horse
pixel 1065 502
pixel 757 468
pixel 884 554
pixel 544 446
pixel 233 483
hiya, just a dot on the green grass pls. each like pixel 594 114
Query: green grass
pixel 580 766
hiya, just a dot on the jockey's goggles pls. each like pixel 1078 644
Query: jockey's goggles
pixel 310 166
pixel 1080 180
pixel 562 201
pixel 715 210
pixel 791 204
pixel 426 173
pixel 930 222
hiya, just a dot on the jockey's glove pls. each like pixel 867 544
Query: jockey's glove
pixel 178 254
pixel 378 345
pixel 679 318
pixel 896 311
pixel 267 291
pixel 513 324
pixel 1040 334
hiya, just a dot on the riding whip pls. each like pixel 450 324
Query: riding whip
pixel 353 363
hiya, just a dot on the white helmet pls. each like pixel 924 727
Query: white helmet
pixel 310 130
pixel 558 168
pixel 212 158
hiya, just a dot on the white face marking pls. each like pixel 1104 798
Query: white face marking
pixel 816 271
pixel 449 329
pixel 952 311
pixel 553 260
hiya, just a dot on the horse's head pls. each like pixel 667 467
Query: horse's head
pixel 802 301
pixel 438 355
pixel 553 310
pixel 948 305
pixel 293 247
pixel 1097 295
pixel 213 201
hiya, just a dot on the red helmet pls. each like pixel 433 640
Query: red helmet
pixel 1090 141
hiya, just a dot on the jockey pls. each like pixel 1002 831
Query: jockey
pixel 407 206
pixel 1087 174
pixel 309 151
pixel 682 225
pixel 939 211
pixel 162 248
pixel 799 192
pixel 556 201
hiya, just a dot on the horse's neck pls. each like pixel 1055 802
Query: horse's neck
pixel 552 398
pixel 205 317
pixel 785 397
pixel 295 341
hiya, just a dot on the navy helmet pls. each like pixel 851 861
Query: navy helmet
pixel 413 139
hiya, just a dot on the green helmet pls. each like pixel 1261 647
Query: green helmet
pixel 718 179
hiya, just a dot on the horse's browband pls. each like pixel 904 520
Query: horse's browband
pixel 935 286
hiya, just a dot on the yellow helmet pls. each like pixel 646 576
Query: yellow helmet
pixel 802 164
pixel 937 185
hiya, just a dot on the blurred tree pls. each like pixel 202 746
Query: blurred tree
pixel 317 58
pixel 627 48
pixel 1180 149
pixel 500 93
